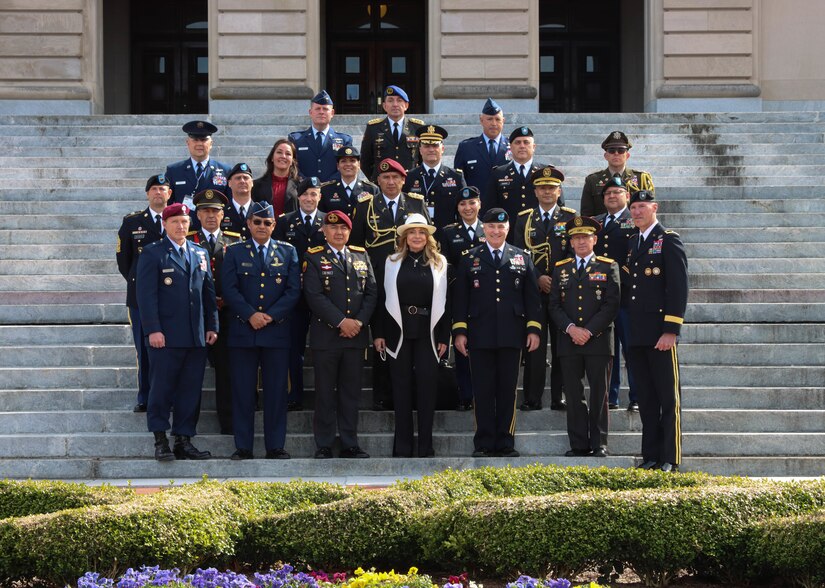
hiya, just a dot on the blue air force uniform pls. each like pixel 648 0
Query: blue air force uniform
pixel 270 285
pixel 315 161
pixel 476 158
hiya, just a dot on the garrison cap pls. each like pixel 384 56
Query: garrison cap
pixel 520 132
pixel 491 108
pixel 582 225
pixel 210 199
pixel 322 98
pixel 396 91
pixel 616 139
pixel 307 183
pixel 240 168
pixel 336 217
pixel 391 165
pixel 199 128
pixel 158 180
pixel 431 134
pixel 262 209
pixel 547 176
pixel 176 209
pixel 642 196
pixel 348 151
pixel 495 215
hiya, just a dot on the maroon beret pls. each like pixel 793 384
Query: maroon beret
pixel 390 165
pixel 176 209
pixel 336 217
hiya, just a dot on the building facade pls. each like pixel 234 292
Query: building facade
pixel 271 56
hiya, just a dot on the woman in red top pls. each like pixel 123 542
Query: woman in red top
pixel 279 184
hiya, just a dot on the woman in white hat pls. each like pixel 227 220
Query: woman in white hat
pixel 412 326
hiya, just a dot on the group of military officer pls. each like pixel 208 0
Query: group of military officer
pixel 533 271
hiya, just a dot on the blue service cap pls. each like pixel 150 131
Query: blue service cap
pixel 396 91
pixel 262 210
pixel 322 98
pixel 199 128
pixel 491 107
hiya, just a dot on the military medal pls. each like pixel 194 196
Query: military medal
pixel 648 271
pixel 656 271
pixel 278 280
pixel 167 280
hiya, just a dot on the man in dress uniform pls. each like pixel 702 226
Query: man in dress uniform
pixel 655 293
pixel 496 310
pixel 476 157
pixel 138 230
pixel 343 194
pixel 541 231
pixel 456 240
pixel 301 229
pixel 318 145
pixel 210 206
pixel 584 300
pixel 236 211
pixel 617 227
pixel 373 227
pixel 439 184
pixel 616 152
pixel 176 298
pixel 199 171
pixel 261 285
pixel 340 289
pixel 392 137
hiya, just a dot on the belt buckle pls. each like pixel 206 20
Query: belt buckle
pixel 412 310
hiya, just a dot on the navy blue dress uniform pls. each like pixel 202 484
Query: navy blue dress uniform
pixel 337 195
pixel 592 203
pixel 295 230
pixel 232 220
pixel 585 293
pixel 655 293
pixel 336 290
pixel 317 158
pixel 548 243
pixel 176 297
pixel 379 141
pixel 495 305
pixel 137 230
pixel 475 158
pixel 256 281
pixel 218 353
pixel 612 243
pixel 439 189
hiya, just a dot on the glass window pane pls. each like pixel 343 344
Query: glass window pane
pixel 547 64
pixel 352 65
pixel 161 69
pixel 203 65
pixel 399 65
pixel 353 92
pixel 590 65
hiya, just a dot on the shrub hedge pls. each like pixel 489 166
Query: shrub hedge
pixel 790 547
pixel 20 499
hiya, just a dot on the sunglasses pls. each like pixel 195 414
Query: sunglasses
pixel 258 222
pixel 615 150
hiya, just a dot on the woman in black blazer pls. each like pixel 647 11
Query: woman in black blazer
pixel 279 184
pixel 412 326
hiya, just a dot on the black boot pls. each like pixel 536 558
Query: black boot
pixel 162 451
pixel 185 450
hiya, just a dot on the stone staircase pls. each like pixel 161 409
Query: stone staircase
pixel 745 191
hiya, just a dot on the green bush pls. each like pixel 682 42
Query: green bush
pixel 20 499
pixel 790 547
pixel 258 498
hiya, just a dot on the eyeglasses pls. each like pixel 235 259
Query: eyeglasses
pixel 615 150
pixel 258 222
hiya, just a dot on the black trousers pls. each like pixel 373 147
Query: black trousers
pixel 659 390
pixel 587 420
pixel 495 377
pixel 535 363
pixel 337 395
pixel 219 360
pixel 415 354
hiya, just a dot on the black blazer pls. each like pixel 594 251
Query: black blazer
pixel 262 191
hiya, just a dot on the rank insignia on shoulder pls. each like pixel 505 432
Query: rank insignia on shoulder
pixel 117 249
pixel 414 195
pixel 375 121
pixel 669 232
pixel 356 248
pixel 526 211
pixel 135 213
pixel 564 261
pixel 605 259
pixel 190 233
pixel 417 121
pixel 566 209
pixel 315 249
pixel 232 234
pixel 364 197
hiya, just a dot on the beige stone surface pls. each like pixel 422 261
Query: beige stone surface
pixel 730 20
pixel 792 44
pixel 46 45
pixel 262 5
pixel 686 20
pixel 481 45
pixel 709 67
pixel 262 69
pixel 713 4
pixel 708 44
pixel 484 22
pixel 261 45
pixel 266 22
pixel 484 5
pixel 812 89
pixel 41 22
pixel 708 21
pixel 495 69
pixel 26 5
pixel 40 69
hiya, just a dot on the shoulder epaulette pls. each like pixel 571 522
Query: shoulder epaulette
pixel 284 243
pixel 190 233
pixel 282 214
pixel 669 232
pixel 316 249
pixel 241 243
pixel 355 248
pixel 135 213
pixel 525 211
pixel 605 259
pixel 450 226
pixel 414 195
pixel 330 182
pixel 563 261
pixel 369 183
pixel 295 133
pixel 232 234
pixel 417 121
pixel 364 197
pixel 375 121
pixel 566 209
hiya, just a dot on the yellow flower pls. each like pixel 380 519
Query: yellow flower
pixel 413 571
pixel 359 572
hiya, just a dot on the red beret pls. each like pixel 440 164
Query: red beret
pixel 336 217
pixel 390 165
pixel 176 209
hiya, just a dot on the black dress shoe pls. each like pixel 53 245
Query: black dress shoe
pixel 293 406
pixel 529 406
pixel 613 406
pixel 600 452
pixel 649 465
pixel 559 405
pixel 633 407
pixel 323 453
pixel 139 407
pixel 276 454
pixel 353 453
pixel 185 450
pixel 577 453
pixel 483 453
pixel 465 405
pixel 241 454
pixel 669 467
pixel 162 451
pixel 508 453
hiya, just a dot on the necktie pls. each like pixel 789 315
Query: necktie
pixel 349 192
pixel 431 174
pixel 182 253
pixel 395 134
pixel 307 222
pixel 546 222
pixel 639 242
pixel 261 254
pixel 242 213
pixel 497 257
pixel 581 267
pixel 521 170
pixel 211 242
pixel 158 226
pixel 319 140
pixel 491 149
pixel 610 219
pixel 471 232
pixel 342 260
pixel 391 206
pixel 199 169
